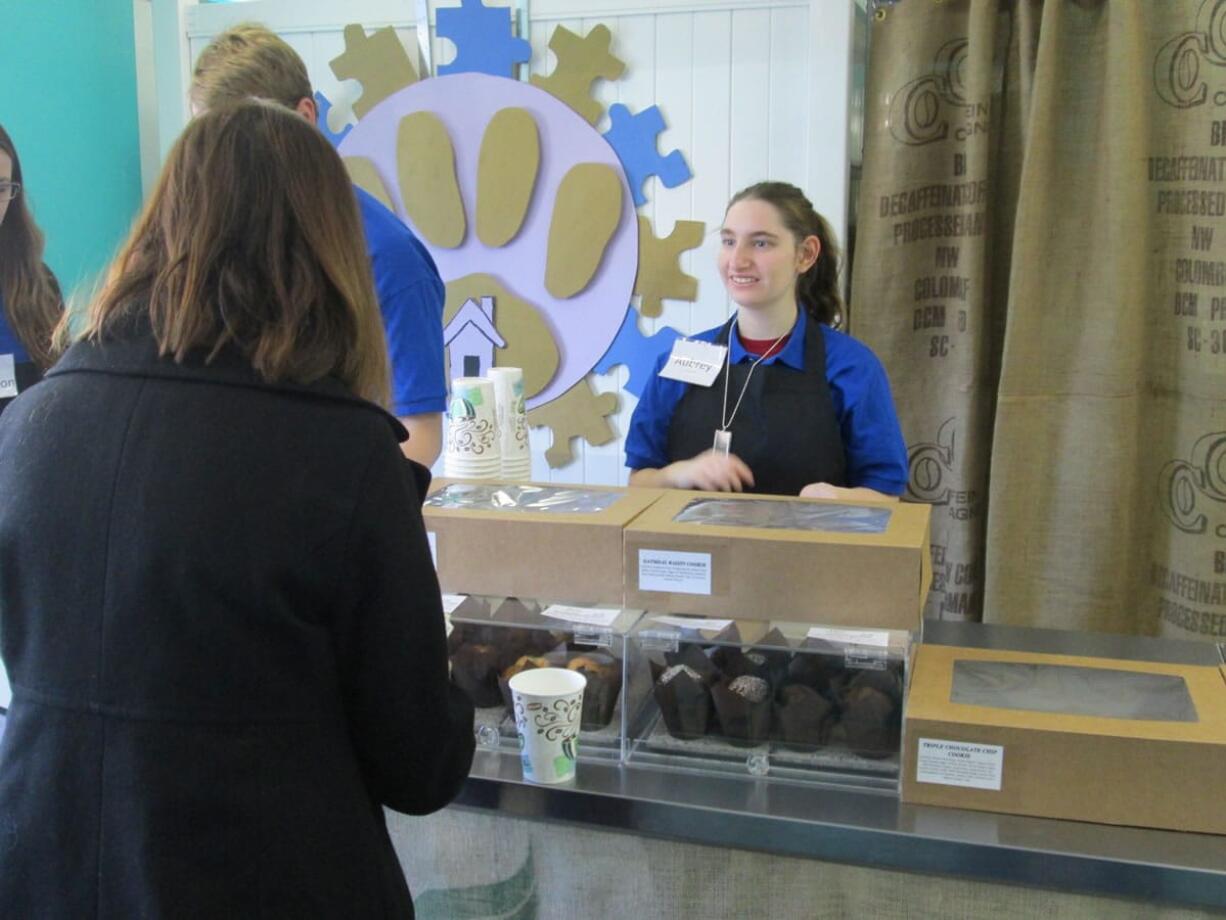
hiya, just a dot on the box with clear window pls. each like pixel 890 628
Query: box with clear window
pixel 494 638
pixel 784 700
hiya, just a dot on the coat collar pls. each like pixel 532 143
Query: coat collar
pixel 137 356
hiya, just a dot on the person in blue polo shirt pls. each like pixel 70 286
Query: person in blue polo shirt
pixel 30 302
pixel 798 408
pixel 250 60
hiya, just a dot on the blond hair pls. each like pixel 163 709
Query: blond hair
pixel 248 60
pixel 252 240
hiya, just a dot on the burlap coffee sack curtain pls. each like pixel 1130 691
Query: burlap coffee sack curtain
pixel 1107 505
pixel 946 105
pixel 1106 462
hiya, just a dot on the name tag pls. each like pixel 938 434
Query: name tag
pixel 8 377
pixel 693 361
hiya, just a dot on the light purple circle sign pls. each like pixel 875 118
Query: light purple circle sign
pixel 583 326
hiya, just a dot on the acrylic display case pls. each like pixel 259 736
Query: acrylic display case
pixel 783 700
pixel 493 638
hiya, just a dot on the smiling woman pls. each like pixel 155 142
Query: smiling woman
pixel 798 407
pixel 30 302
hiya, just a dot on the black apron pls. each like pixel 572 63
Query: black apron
pixel 785 431
pixel 27 374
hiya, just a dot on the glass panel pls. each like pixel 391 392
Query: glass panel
pixel 776 515
pixel 547 499
pixel 1068 690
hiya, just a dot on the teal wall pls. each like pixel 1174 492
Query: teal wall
pixel 68 99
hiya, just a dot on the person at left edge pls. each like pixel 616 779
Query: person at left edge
pixel 250 60
pixel 30 302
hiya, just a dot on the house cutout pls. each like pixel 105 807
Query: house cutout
pixel 470 339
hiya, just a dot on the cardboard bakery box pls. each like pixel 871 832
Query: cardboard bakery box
pixel 547 541
pixel 1058 736
pixel 780 558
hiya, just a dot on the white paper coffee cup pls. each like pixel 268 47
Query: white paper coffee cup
pixel 512 418
pixel 472 427
pixel 548 706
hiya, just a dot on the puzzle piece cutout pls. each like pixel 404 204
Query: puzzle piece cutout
pixel 378 61
pixel 580 62
pixel 634 138
pixel 578 413
pixel 483 40
pixel 660 275
pixel 323 105
pixel 637 351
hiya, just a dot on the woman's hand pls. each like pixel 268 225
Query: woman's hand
pixel 709 471
pixel 826 490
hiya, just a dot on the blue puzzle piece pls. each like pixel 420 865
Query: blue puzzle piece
pixel 637 351
pixel 483 40
pixel 323 105
pixel 634 138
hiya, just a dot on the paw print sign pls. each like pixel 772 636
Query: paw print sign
pixel 556 230
pixel 524 206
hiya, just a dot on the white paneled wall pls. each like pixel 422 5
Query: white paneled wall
pixel 750 90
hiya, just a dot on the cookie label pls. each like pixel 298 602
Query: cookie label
pixel 674 572
pixel 589 616
pixel 958 763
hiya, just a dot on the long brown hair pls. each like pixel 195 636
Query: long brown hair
pixel 818 288
pixel 32 301
pixel 252 239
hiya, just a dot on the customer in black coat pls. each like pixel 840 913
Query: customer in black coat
pixel 217 604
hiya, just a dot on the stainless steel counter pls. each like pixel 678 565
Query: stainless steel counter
pixel 873 828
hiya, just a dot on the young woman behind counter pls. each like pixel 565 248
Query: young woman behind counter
pixel 798 407
pixel 30 302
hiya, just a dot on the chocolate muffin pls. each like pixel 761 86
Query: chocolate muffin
pixel 604 684
pixel 523 663
pixel 803 717
pixel 692 656
pixel 743 705
pixel 474 668
pixel 733 662
pixel 872 713
pixel 684 700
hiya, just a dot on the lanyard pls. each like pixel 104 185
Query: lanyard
pixel 723 437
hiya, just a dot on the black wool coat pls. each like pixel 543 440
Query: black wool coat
pixel 225 639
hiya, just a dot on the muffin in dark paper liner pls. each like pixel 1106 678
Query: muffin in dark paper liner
pixel 803 717
pixel 817 664
pixel 743 706
pixel 872 713
pixel 604 685
pixel 776 649
pixel 692 656
pixel 474 668
pixel 514 609
pixel 734 662
pixel 523 663
pixel 684 700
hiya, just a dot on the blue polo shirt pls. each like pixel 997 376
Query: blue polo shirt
pixel 872 438
pixel 9 343
pixel 411 296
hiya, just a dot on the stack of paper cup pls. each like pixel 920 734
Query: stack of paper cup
pixel 512 422
pixel 473 451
